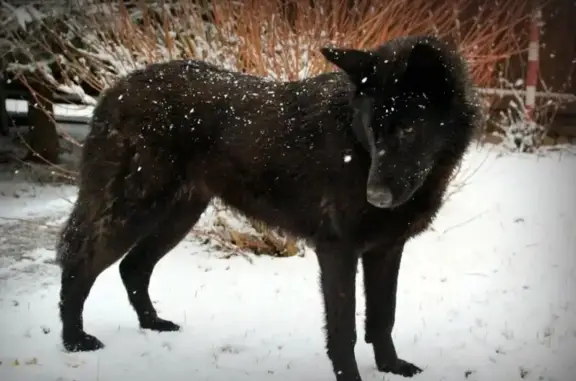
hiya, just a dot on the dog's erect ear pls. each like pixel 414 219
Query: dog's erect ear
pixel 427 57
pixel 429 72
pixel 359 65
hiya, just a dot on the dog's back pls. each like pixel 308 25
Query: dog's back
pixel 253 142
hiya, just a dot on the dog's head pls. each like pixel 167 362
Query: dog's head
pixel 409 94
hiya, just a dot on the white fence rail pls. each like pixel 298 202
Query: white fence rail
pixel 82 113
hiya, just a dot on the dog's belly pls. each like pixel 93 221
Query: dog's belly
pixel 290 211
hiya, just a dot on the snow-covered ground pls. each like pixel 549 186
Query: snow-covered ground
pixel 488 294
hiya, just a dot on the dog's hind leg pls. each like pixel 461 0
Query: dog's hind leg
pixel 85 250
pixel 94 237
pixel 381 267
pixel 136 268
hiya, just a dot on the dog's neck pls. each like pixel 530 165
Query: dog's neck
pixel 363 106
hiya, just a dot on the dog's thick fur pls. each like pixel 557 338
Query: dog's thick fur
pixel 355 161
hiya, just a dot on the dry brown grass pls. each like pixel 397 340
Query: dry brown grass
pixel 110 40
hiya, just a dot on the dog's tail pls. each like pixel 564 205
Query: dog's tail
pixel 72 238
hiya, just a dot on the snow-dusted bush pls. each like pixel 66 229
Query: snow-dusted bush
pixel 105 39
pixel 519 130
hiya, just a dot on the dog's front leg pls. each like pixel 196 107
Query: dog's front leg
pixel 338 279
pixel 381 266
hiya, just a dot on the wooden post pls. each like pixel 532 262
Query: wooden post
pixel 3 111
pixel 533 59
pixel 42 137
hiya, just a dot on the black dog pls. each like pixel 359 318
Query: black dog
pixel 356 162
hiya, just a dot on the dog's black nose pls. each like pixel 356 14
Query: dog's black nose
pixel 379 197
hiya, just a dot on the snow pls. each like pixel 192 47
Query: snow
pixel 20 15
pixel 486 295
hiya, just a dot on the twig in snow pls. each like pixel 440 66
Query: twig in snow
pixel 26 221
pixel 462 223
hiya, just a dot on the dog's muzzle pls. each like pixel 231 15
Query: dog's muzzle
pixel 379 197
